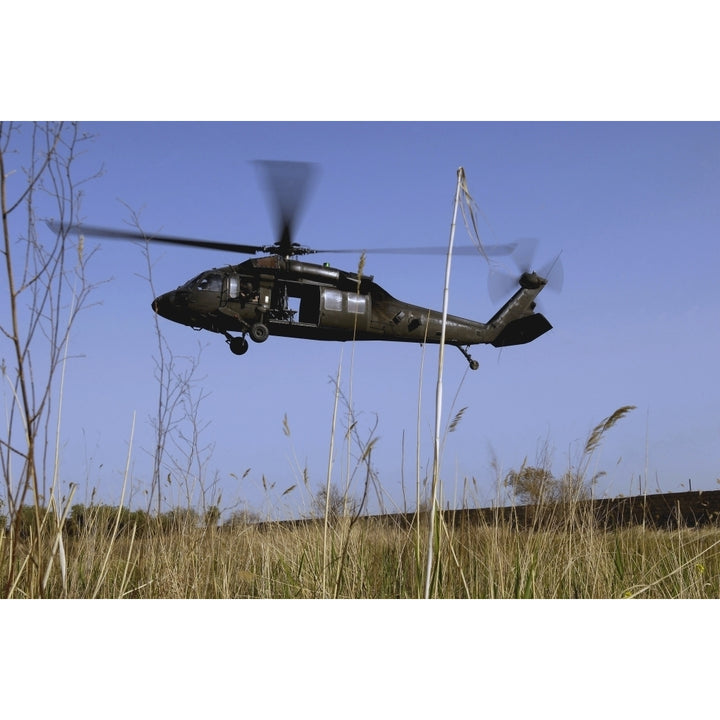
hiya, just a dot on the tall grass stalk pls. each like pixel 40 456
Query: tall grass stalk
pixel 114 533
pixel 328 479
pixel 418 446
pixel 350 383
pixel 439 389
pixel 58 547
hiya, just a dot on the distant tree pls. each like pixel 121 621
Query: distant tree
pixel 242 518
pixel 573 487
pixel 76 520
pixel 337 504
pixel 537 486
pixel 139 521
pixel 179 519
pixel 532 485
pixel 103 519
pixel 24 526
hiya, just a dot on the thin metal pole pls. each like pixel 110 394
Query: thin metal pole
pixel 439 389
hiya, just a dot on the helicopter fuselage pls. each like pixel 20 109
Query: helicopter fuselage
pixel 274 295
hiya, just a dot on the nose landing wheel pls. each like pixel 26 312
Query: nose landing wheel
pixel 238 345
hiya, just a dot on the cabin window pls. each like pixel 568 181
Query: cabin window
pixel 233 286
pixel 356 304
pixel 333 300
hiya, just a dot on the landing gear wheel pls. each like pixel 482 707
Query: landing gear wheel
pixel 238 345
pixel 474 364
pixel 259 332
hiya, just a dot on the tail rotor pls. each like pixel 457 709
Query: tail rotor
pixel 501 284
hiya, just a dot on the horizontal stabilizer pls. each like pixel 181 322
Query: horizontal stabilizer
pixel 523 330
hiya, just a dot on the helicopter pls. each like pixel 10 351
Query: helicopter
pixel 279 294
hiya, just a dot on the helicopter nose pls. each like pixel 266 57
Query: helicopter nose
pixel 163 304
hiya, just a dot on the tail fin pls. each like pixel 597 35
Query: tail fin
pixel 516 322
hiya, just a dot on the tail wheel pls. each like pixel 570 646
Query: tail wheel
pixel 259 332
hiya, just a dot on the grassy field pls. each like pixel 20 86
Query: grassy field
pixel 569 558
pixel 567 551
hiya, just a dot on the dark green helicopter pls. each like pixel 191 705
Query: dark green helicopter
pixel 280 295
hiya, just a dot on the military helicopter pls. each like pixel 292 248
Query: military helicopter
pixel 277 294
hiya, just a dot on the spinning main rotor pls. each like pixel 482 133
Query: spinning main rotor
pixel 288 185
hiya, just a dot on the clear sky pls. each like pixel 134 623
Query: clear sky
pixel 632 207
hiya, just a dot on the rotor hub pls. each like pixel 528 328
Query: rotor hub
pixel 532 281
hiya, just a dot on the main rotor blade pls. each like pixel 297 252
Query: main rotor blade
pixel 490 250
pixel 133 235
pixel 136 235
pixel 287 185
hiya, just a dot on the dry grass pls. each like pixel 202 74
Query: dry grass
pixel 372 559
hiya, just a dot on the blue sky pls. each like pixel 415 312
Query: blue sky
pixel 632 207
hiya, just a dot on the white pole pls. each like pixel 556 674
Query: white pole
pixel 439 390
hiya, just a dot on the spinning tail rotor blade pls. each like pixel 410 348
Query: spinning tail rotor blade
pixel 524 255
pixel 502 284
pixel 554 273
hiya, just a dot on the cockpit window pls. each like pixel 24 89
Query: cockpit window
pixel 209 281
